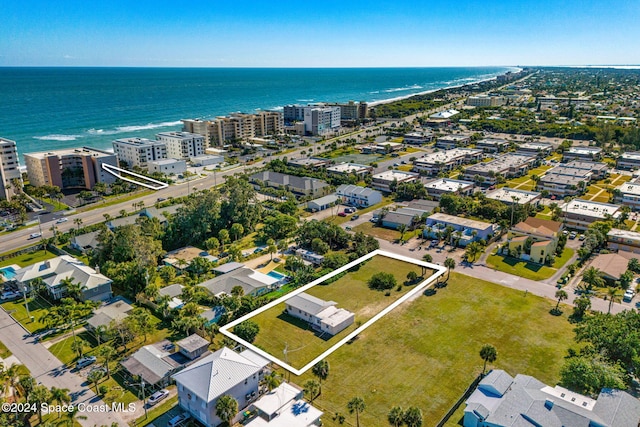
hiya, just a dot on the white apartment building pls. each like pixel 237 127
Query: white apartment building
pixel 486 101
pixel 355 195
pixel 580 213
pixel 582 153
pixel 182 145
pixel 444 161
pixel 438 187
pixel 629 160
pixel 237 126
pixel 168 166
pixel 383 181
pixel 321 120
pixel 629 195
pixel 9 169
pixel 138 152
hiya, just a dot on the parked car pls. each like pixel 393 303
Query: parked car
pixel 61 220
pixel 85 361
pixel 34 235
pixel 354 217
pixel 178 419
pixel 161 199
pixel 9 295
pixel 572 235
pixel 157 396
pixel 342 214
pixel 628 295
pixel 581 237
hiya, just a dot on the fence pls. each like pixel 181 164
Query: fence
pixel 30 249
pixel 464 397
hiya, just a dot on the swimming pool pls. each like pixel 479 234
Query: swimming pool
pixel 276 275
pixel 8 272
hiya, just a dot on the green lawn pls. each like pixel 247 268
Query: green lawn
pixel 278 330
pixel 37 308
pixel 4 351
pixel 384 233
pixel 62 349
pixel 28 258
pixel 528 270
pixel 157 412
pixel 426 353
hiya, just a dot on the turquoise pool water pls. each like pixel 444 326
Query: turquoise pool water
pixel 276 275
pixel 8 272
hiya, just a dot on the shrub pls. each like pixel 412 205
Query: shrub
pixel 382 281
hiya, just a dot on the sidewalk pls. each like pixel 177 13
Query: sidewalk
pixel 49 371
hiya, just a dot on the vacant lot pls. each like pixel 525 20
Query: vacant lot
pixel 426 353
pixel 279 331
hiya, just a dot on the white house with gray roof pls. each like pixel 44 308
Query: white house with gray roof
pixel 501 400
pixel 224 372
pixel 96 286
pixel 252 282
pixel 355 195
pixel 300 185
pixel 322 316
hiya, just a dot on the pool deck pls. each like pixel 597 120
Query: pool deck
pixel 15 267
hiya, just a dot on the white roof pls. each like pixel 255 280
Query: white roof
pixel 166 162
pixel 463 222
pixel 291 412
pixel 584 150
pixel 444 114
pixel 217 373
pixel 592 209
pixel 630 188
pixel 448 184
pixel 624 234
pixel 630 155
pixel 506 194
pixel 447 155
pixel 390 175
pixel 62 267
pixel 348 168
pixel 333 316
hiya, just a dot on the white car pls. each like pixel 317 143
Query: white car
pixel 61 220
pixel 10 295
pixel 158 396
pixel 628 295
pixel 85 361
pixel 178 419
pixel 34 235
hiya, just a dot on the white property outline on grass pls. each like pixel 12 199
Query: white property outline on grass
pixel 439 271
pixel 114 169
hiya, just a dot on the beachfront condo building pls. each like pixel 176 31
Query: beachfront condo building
pixel 71 168
pixel 138 152
pixel 10 176
pixel 236 127
pixel 182 145
pixel 348 111
pixel 321 120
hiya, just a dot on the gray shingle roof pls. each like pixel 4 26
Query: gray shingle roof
pixel 171 291
pixel 308 303
pixel 192 343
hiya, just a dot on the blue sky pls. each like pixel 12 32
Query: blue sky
pixel 323 33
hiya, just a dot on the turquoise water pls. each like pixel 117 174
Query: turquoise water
pixel 276 275
pixel 54 108
pixel 8 272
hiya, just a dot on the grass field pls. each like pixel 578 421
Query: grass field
pixel 384 233
pixel 4 351
pixel 351 292
pixel 28 258
pixel 37 308
pixel 528 270
pixel 426 353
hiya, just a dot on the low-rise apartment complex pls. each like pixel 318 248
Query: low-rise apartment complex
pixel 582 153
pixel 629 160
pixel 355 195
pixel 302 186
pixel 624 240
pixel 580 213
pixel 508 165
pixel 513 195
pixel 384 181
pixel 453 141
pixel 447 160
pixel 629 195
pixel 440 186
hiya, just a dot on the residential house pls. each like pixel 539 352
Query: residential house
pixel 624 240
pixel 510 196
pixel 446 160
pixel 310 256
pixel 193 346
pixel 438 187
pixel 507 165
pixel 85 242
pixel 629 195
pixel 612 266
pixel 350 169
pixel 534 239
pixel 224 372
pixel 114 311
pixel 453 141
pixel 181 258
pixel 284 406
pixel 302 186
pixel 56 271
pixel 629 160
pixel 580 213
pixel 252 282
pixel 154 363
pixel 582 153
pixel 161 213
pixel 173 294
pixel 407 217
pixel 323 203
pixel 385 181
pixel 358 196
pixel 464 230
pixel 323 316
pixel 501 400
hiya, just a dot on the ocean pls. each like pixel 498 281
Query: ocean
pixel 54 108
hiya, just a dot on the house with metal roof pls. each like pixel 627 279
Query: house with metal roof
pixel 96 286
pixel 501 400
pixel 322 316
pixel 284 406
pixel 224 372
pixel 323 203
pixel 252 282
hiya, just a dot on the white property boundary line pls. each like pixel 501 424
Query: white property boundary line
pixel 114 169
pixel 439 271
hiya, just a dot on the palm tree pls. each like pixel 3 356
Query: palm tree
pixel 40 395
pixel 561 294
pixel 74 289
pixel 312 388
pixel 272 381
pixel 614 296
pixel 226 408
pixel 78 222
pixel 592 277
pixel 450 263
pixel 107 353
pixel 413 417
pixel 78 347
pixel 60 396
pixel 427 258
pixel 402 229
pixel 9 378
pixel 94 378
pixel 396 416
pixel 356 405
pixel 271 247
pixel 488 353
pixel 321 370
